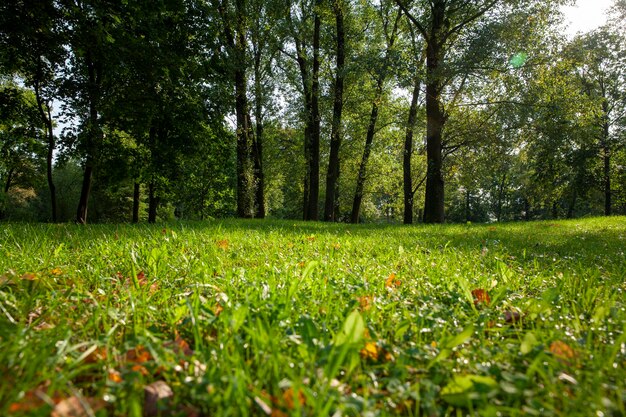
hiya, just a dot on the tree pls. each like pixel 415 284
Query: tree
pixel 32 46
pixel 331 203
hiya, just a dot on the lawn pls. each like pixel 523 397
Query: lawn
pixel 236 318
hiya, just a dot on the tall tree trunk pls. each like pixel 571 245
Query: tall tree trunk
pixel 93 138
pixel 408 153
pixel 314 172
pixel 46 118
pixel 435 120
pixel 331 202
pixel 241 107
pixel 257 144
pixel 606 159
pixel 153 202
pixel 136 191
pixel 371 130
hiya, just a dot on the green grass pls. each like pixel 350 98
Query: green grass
pixel 307 319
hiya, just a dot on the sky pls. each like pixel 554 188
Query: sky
pixel 586 15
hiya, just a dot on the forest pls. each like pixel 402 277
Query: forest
pixel 336 110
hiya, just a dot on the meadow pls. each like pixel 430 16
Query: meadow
pixel 269 318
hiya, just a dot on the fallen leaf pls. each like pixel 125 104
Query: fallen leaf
pixel 141 369
pixel 366 302
pixel 98 355
pixel 289 398
pixel 138 355
pixel 512 317
pixel 392 281
pixel 369 351
pixel 562 351
pixel 156 395
pixel 179 345
pixel 115 376
pixel 222 244
pixel 141 278
pixel 56 271
pixel 480 297
pixel 77 407
pixel 29 276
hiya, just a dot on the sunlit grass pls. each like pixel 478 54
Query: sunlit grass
pixel 251 318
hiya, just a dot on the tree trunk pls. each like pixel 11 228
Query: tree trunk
pixel 241 108
pixel 408 153
pixel 371 130
pixel 572 205
pixel 153 203
pixel 81 213
pixel 257 143
pixel 606 159
pixel 314 172
pixel 468 211
pixel 7 184
pixel 331 202
pixel 93 138
pixel 46 118
pixel 500 198
pixel 435 120
pixel 136 190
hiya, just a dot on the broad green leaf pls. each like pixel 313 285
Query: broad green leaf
pixel 529 342
pixel 352 330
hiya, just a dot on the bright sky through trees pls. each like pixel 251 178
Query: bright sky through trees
pixel 586 15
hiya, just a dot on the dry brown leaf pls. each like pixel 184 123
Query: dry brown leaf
pixel 222 244
pixel 156 394
pixel 289 400
pixel 481 297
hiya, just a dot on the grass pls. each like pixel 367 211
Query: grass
pixel 305 319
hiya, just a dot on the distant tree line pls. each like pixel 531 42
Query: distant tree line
pixel 335 110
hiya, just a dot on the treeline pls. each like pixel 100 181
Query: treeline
pixel 336 110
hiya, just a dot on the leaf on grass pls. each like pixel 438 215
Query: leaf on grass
pixel 460 338
pixel 562 351
pixel 156 396
pixel 98 354
pixel 222 244
pixel 28 277
pixel 391 281
pixel 511 316
pixel 179 346
pixel 138 355
pixel 56 271
pixel 115 376
pixel 370 351
pixel 481 297
pixel 141 278
pixel 290 398
pixel 366 302
pixel 77 407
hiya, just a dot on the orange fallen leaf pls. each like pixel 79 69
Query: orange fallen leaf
pixel 29 276
pixel 392 281
pixel 562 351
pixel 138 355
pixel 179 345
pixel 141 369
pixel 481 297
pixel 115 376
pixel 56 271
pixel 141 278
pixel 366 302
pixel 98 355
pixel 370 351
pixel 290 398
pixel 222 244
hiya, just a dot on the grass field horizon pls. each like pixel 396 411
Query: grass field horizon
pixel 284 318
